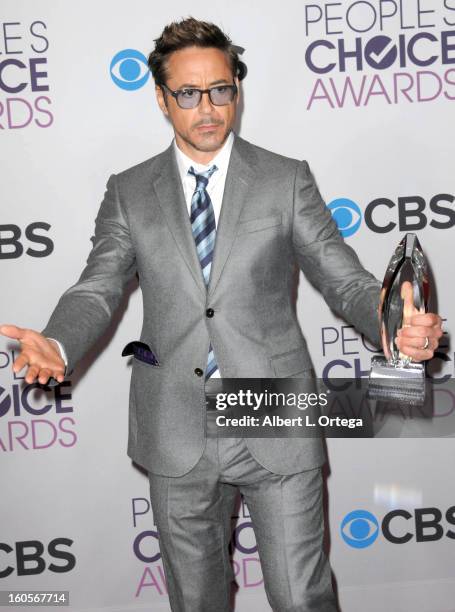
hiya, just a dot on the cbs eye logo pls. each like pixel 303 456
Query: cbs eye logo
pixel 346 214
pixel 129 69
pixel 359 529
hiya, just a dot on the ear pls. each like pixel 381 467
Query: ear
pixel 161 99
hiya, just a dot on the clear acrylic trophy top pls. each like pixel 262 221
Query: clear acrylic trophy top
pixel 407 264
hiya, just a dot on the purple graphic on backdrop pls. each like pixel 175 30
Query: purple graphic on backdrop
pixel 33 417
pixel 358 64
pixel 24 79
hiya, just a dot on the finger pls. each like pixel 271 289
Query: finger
pixel 407 295
pixel 19 363
pixel 44 375
pixel 58 375
pixel 428 319
pixel 12 331
pixel 413 347
pixel 32 373
pixel 417 354
pixel 404 344
pixel 419 331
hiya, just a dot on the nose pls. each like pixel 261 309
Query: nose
pixel 205 105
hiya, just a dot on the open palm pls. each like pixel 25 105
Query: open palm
pixel 40 354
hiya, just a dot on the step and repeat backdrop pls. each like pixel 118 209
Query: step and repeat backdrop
pixel 363 90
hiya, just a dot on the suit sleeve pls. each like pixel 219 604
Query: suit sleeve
pixel 85 309
pixel 328 262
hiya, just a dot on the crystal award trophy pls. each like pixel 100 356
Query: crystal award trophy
pixel 395 377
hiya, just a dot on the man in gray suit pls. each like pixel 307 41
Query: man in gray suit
pixel 216 307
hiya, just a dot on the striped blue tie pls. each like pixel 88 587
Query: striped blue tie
pixel 204 232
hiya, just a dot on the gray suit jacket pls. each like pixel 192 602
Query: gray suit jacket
pixel 272 218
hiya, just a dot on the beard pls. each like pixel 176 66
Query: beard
pixel 206 142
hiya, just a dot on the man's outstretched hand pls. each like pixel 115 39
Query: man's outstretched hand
pixel 40 354
pixel 419 336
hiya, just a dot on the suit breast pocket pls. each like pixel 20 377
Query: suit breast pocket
pixel 291 363
pixel 260 224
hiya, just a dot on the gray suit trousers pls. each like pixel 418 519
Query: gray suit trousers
pixel 193 518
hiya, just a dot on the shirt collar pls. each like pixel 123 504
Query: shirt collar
pixel 221 159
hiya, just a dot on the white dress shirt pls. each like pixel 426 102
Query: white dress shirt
pixel 62 352
pixel 215 189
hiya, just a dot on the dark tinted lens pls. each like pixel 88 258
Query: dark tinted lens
pixel 221 95
pixel 188 98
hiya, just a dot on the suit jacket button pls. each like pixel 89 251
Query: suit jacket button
pixel 209 312
pixel 198 372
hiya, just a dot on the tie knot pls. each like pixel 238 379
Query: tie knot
pixel 202 179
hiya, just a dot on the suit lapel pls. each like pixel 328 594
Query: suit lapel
pixel 239 180
pixel 169 189
pixel 171 198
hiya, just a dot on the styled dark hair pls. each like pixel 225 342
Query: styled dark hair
pixel 191 32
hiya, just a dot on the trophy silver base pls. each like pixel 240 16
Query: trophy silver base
pixel 396 383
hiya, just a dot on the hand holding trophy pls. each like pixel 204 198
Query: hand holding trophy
pixel 405 292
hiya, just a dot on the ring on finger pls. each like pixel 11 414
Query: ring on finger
pixel 427 342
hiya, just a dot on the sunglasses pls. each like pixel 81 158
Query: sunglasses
pixel 190 97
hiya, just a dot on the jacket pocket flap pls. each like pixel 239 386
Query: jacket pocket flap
pixel 254 225
pixel 291 362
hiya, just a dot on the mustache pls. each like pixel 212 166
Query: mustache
pixel 208 121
